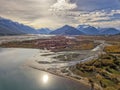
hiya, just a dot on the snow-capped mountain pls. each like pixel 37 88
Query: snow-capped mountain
pixel 67 30
pixel 88 30
pixel 8 27
pixel 44 31
pixel 91 30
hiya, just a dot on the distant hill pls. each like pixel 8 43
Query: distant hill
pixel 88 30
pixel 67 30
pixel 109 31
pixel 44 31
pixel 8 27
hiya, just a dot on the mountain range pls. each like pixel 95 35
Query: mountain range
pixel 9 27
pixel 67 30
pixel 90 30
pixel 85 30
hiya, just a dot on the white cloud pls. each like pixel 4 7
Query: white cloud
pixel 62 5
pixel 115 12
pixel 100 18
pixel 55 13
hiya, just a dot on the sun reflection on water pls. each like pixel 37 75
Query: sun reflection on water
pixel 45 78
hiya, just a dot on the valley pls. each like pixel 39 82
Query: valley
pixel 76 58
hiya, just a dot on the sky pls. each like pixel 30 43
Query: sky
pixel 56 13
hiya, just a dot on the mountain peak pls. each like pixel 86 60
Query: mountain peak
pixel 88 30
pixel 66 26
pixel 67 30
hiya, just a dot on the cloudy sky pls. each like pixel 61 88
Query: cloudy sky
pixel 56 13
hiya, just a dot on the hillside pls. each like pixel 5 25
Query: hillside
pixel 9 27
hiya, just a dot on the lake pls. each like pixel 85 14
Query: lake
pixel 16 75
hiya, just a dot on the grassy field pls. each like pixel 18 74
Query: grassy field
pixel 53 44
pixel 105 71
pixel 113 49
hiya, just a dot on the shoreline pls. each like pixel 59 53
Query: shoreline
pixel 83 81
pixel 48 71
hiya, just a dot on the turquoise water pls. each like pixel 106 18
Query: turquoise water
pixel 15 75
